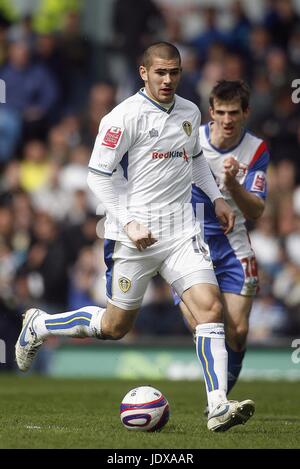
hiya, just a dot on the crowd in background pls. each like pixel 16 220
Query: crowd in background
pixel 59 84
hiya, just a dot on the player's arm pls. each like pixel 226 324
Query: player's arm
pixel 250 203
pixel 139 235
pixel 111 144
pixel 204 179
pixel 103 187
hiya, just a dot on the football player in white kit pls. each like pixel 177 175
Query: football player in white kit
pixel 150 228
pixel 238 160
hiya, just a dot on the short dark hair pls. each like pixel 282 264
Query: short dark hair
pixel 163 50
pixel 226 90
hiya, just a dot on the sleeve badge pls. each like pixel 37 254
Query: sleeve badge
pixel 112 137
pixel 259 182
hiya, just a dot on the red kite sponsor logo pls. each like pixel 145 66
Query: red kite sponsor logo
pixel 170 154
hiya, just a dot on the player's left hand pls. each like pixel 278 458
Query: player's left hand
pixel 225 215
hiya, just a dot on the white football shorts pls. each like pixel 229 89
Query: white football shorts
pixel 181 263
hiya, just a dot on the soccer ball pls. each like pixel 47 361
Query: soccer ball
pixel 144 409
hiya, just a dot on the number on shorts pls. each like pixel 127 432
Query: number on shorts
pixel 250 266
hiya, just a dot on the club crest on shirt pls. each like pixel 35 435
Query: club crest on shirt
pixel 112 137
pixel 187 127
pixel 124 284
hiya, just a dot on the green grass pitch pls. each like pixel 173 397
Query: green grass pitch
pixel 38 412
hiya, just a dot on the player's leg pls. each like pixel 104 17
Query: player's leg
pixel 125 295
pixel 197 286
pixel 190 321
pixel 238 281
pixel 236 271
pixel 203 302
pixel 117 322
pixel 237 310
pixel 91 321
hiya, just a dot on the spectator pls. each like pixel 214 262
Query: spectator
pixel 46 268
pixel 211 34
pixel 31 92
pixel 258 48
pixel 234 68
pixel 48 54
pixel 238 35
pixel 136 25
pixel 3 43
pixel 268 320
pixel 286 288
pixel 292 243
pixel 76 55
pixel 283 197
pixel 22 210
pixel 266 244
pixel 83 278
pixel 22 31
pixel 35 169
pixel 73 175
pixel 102 98
pixel 279 72
pixel 189 60
pixel 58 144
pixel 52 198
pixel 261 101
pixel 284 18
pixel 79 235
pixel 281 126
pixel 294 49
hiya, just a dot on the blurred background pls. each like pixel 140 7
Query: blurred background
pixel 66 64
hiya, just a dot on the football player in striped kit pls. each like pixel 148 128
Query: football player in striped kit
pixel 238 160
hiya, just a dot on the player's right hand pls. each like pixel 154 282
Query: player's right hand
pixel 225 215
pixel 139 235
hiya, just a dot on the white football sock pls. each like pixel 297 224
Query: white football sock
pixel 211 351
pixel 83 322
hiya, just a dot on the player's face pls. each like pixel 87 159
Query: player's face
pixel 229 118
pixel 161 79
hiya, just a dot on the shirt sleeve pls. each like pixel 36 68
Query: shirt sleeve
pixel 114 202
pixel 112 143
pixel 256 179
pixel 203 178
pixel 197 148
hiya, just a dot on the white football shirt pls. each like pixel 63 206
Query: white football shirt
pixel 158 145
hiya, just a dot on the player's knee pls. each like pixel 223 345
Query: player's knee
pixel 212 312
pixel 115 331
pixel 241 335
pixel 237 336
pixel 117 334
pixel 216 310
